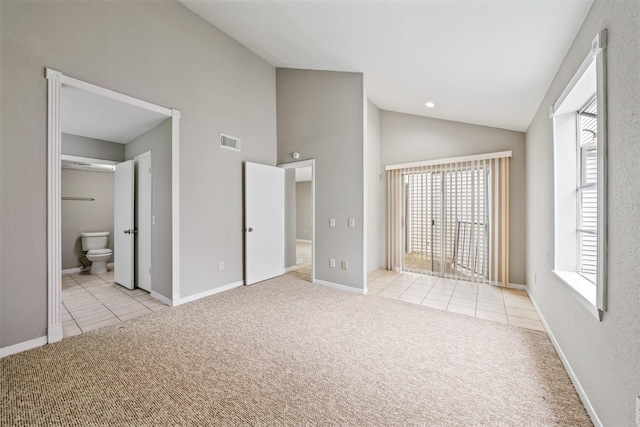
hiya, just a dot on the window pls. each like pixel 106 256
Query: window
pixel 580 181
pixel 587 197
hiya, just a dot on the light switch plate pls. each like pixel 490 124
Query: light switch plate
pixel 345 265
pixel 352 222
pixel 332 222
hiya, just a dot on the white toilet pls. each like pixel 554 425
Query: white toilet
pixel 95 245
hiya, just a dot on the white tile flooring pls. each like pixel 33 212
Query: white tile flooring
pixel 90 302
pixel 302 269
pixel 488 302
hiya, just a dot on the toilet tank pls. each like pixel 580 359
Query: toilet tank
pixel 96 240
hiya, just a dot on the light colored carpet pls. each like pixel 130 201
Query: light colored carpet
pixel 285 352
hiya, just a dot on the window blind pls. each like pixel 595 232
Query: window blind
pixel 450 219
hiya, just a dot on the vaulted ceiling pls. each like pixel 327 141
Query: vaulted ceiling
pixel 482 62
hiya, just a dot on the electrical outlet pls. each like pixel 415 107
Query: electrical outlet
pixel 637 411
pixel 332 222
pixel 351 223
pixel 221 265
pixel 344 265
pixel 332 263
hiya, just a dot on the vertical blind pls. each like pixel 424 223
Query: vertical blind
pixel 450 219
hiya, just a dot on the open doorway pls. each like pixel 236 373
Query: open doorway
pixel 159 121
pixel 300 219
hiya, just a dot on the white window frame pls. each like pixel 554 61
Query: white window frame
pixel 564 111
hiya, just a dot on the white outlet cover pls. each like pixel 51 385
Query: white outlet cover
pixel 332 263
pixel 332 222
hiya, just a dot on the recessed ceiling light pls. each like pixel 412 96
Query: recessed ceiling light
pixel 429 104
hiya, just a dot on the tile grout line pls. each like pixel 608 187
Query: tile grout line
pixel 503 303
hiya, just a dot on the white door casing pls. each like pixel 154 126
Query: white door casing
pixel 302 164
pixel 55 80
pixel 143 214
pixel 264 222
pixel 123 224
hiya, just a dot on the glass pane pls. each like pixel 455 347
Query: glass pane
pixel 588 199
pixel 590 166
pixel 589 123
pixel 588 255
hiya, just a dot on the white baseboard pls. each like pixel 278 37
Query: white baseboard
pixel 23 346
pixel 208 293
pixel 341 287
pixel 54 333
pixel 574 379
pixel 288 269
pixel 518 286
pixel 303 241
pixel 161 298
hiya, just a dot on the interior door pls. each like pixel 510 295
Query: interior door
pixel 264 222
pixel 123 224
pixel 142 265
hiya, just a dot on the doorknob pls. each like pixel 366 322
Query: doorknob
pixel 249 229
pixel 132 231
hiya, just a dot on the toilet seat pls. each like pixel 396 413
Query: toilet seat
pixel 99 251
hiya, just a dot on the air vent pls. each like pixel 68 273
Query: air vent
pixel 230 142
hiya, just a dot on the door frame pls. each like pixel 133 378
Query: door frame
pixel 55 80
pixel 300 164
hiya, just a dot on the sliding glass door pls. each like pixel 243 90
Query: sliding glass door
pixel 450 218
pixel 447 221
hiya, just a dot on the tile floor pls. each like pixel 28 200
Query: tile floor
pixel 511 306
pixel 302 269
pixel 90 302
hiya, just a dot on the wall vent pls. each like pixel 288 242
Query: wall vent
pixel 230 142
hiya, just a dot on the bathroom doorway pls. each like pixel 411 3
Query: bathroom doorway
pixel 162 124
pixel 300 219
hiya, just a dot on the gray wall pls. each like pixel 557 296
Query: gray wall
pixel 304 228
pixel 84 216
pixel 375 191
pixel 82 146
pixel 158 141
pixel 406 138
pixel 160 52
pixel 290 222
pixel 604 355
pixel 321 116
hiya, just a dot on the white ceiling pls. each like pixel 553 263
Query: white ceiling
pixel 482 62
pixel 94 116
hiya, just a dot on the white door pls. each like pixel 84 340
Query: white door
pixel 143 221
pixel 264 222
pixel 123 225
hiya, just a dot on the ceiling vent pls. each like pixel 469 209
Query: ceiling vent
pixel 230 142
